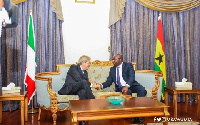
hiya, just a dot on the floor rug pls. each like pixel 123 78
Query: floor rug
pixel 173 123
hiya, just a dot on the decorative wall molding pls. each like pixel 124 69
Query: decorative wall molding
pixel 18 1
pixel 169 5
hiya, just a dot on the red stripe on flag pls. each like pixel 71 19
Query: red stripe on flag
pixel 160 34
pixel 30 87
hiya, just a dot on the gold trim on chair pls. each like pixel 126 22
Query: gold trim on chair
pixel 53 98
pixel 106 63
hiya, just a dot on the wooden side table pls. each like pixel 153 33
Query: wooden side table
pixel 22 96
pixel 186 92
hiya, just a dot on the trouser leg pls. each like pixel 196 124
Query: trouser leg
pixel 82 94
pixel 82 89
pixel 139 89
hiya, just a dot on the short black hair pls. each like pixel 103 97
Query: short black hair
pixel 121 57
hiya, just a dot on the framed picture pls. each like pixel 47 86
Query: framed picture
pixel 85 1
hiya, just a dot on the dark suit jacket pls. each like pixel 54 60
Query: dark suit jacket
pixel 128 74
pixel 74 76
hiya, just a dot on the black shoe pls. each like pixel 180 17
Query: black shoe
pixel 137 120
pixel 140 120
pixel 82 123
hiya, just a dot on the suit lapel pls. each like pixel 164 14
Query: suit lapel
pixel 80 71
pixel 114 73
pixel 123 68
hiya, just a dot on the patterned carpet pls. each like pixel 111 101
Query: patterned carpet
pixel 173 123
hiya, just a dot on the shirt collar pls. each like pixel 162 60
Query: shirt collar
pixel 81 68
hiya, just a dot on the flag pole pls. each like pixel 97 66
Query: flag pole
pixel 32 110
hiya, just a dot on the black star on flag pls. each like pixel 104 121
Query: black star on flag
pixel 159 58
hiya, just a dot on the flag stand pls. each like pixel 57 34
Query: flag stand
pixel 32 110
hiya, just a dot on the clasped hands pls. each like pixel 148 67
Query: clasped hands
pixel 96 86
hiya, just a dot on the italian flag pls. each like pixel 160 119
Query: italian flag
pixel 160 55
pixel 29 80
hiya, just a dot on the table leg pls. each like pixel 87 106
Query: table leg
pixel 74 119
pixel 165 123
pixel 145 121
pixel 175 103
pixel 0 111
pixel 166 115
pixel 198 104
pixel 166 97
pixel 22 112
pixel 26 108
pixel 186 103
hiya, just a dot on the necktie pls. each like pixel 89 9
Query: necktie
pixel 118 78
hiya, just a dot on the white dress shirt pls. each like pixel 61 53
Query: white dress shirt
pixel 123 83
pixel 83 73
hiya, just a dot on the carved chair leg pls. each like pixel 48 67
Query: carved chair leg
pixel 39 114
pixel 54 115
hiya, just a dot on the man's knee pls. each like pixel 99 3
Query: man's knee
pixel 142 92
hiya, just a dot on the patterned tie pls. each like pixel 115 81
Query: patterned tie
pixel 118 78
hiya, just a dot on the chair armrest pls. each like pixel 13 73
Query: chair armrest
pixel 45 95
pixel 150 79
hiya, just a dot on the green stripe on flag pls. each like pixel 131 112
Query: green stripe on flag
pixel 31 34
pixel 157 68
pixel 163 91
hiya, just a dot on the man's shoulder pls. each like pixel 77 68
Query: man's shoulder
pixel 74 66
pixel 127 63
pixel 112 67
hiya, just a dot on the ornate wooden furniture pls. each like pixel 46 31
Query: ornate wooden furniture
pixel 22 96
pixel 151 80
pixel 49 83
pixel 99 109
pixel 186 92
pixel 47 86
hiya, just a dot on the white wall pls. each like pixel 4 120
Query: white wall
pixel 85 30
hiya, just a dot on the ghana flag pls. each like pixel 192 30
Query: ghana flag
pixel 160 55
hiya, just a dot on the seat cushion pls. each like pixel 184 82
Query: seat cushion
pixel 66 98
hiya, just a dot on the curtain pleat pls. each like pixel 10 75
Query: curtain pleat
pixel 48 45
pixel 135 36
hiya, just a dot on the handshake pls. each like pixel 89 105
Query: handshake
pixel 96 86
